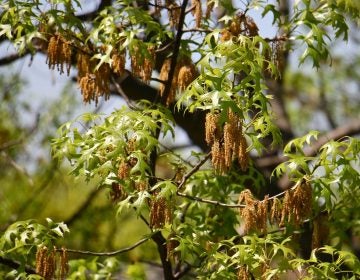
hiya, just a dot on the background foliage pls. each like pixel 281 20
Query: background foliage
pixel 267 184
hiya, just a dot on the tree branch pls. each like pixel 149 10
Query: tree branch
pixel 120 251
pixel 16 265
pixel 160 241
pixel 193 170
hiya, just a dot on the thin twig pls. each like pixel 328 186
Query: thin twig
pixel 193 170
pixel 218 203
pixel 209 201
pixel 123 250
pixel 122 94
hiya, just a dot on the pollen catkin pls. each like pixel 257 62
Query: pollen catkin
pixel 320 232
pixel 243 273
pixel 187 74
pixel 275 212
pixel 209 8
pixel 218 158
pixel 64 266
pixel 241 24
pixel 84 65
pixel 228 144
pixel 45 263
pixel 173 14
pixel 136 63
pixel 249 214
pixel 141 186
pixel 197 12
pixel 297 204
pixel 164 76
pixel 262 216
pixel 117 192
pixel 119 60
pixel 148 66
pixel 96 84
pixel 159 213
pixel 302 201
pixel 124 170
pixel 287 208
pixel 243 155
pixel 59 54
pixel 211 127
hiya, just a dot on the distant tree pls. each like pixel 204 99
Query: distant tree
pixel 274 191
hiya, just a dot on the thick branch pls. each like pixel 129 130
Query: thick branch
pixel 16 265
pixel 160 241
pixel 12 57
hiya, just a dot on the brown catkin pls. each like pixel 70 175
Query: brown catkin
pixel 148 64
pixel 225 35
pixel 119 60
pixel 249 212
pixel 141 186
pixel 164 76
pixel 173 14
pixel 211 127
pixel 262 216
pixel 243 155
pixel 160 213
pixel 59 54
pixel 197 12
pixel 217 157
pixel 45 263
pixel 320 232
pixel 228 144
pixel 124 170
pixel 243 273
pixel 84 65
pixel 117 192
pixel 187 74
pixel 64 266
pixel 209 8
pixel 287 208
pixel 275 212
pixel 302 201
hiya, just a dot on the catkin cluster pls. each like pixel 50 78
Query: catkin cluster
pixel 160 213
pixel 59 54
pixel 118 62
pixel 185 73
pixel 243 273
pixel 93 83
pixel 227 143
pixel 173 13
pixel 295 207
pixel 143 64
pixel 241 24
pixel 46 263
pixel 255 214
pixel 297 204
pixel 320 232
